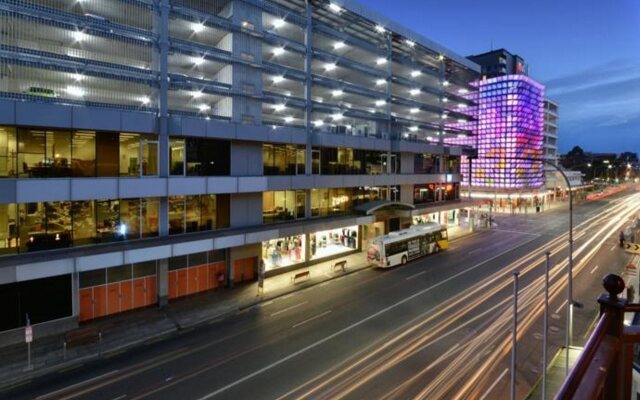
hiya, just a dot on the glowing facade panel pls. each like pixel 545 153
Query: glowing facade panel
pixel 509 126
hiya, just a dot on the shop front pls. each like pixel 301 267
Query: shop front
pixel 284 252
pixel 333 242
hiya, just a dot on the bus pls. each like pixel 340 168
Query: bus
pixel 407 244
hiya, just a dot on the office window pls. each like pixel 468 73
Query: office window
pixel 57 159
pixel 208 157
pixel 176 156
pixel 83 214
pixel 44 226
pixel 8 229
pixel 280 159
pixel 129 227
pixel 107 219
pixel 138 155
pixel 107 150
pixel 83 154
pixel 282 205
pixel 31 145
pixel 8 152
pixel 198 213
pixel 150 216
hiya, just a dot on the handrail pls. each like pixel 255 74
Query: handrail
pixel 584 362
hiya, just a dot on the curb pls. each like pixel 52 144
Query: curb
pixel 7 383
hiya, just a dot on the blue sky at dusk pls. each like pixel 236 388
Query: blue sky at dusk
pixel 586 52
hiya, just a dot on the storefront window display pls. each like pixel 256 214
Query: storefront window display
pixel 283 252
pixel 332 242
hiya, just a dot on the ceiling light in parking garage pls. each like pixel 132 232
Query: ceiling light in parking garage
pixel 430 138
pixel 199 27
pixel 381 61
pixel 145 100
pixel 410 43
pixel 462 135
pixel 75 91
pixel 78 77
pixel 279 107
pixel 380 29
pixel 198 60
pixel 278 79
pixel 381 82
pixel 414 92
pixel 380 103
pixel 440 57
pixel 445 83
pixel 444 116
pixel 463 91
pixel 414 110
pixel 444 99
pixel 195 94
pixel 461 121
pixel 413 128
pixel 337 117
pixel 335 8
pixel 79 36
pixel 278 23
pixel 338 45
pixel 415 73
pixel 204 107
pixel 336 93
pixel 288 119
pixel 318 123
pixel 329 67
pixel 278 51
pixel 462 105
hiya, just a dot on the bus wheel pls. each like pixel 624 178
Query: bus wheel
pixel 404 260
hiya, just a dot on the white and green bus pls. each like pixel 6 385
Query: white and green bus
pixel 406 245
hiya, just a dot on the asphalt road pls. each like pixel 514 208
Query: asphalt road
pixel 439 327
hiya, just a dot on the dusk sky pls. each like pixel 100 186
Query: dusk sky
pixel 586 52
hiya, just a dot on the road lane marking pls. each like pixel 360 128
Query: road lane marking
pixel 71 368
pixel 311 319
pixel 415 275
pixel 476 250
pixel 354 325
pixel 519 232
pixel 120 397
pixel 289 308
pixel 561 305
pixel 613 248
pixel 484 396
pixel 75 385
pixel 594 269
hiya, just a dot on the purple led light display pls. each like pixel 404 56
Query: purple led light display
pixel 509 125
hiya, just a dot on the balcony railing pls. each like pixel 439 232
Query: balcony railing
pixel 604 369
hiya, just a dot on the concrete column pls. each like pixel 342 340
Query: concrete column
pixel 75 292
pixel 308 40
pixel 163 282
pixel 162 29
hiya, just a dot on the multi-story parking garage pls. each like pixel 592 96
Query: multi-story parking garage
pixel 151 149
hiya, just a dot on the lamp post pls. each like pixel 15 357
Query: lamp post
pixel 570 302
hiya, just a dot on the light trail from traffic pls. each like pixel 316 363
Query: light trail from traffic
pixel 465 375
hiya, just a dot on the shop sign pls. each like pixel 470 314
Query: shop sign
pixel 28 334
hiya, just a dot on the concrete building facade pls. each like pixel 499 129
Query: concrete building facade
pixel 154 149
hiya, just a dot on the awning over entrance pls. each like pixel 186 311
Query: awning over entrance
pixel 372 207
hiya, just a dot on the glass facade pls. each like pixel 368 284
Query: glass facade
pixel 435 192
pixel 283 159
pixel 198 213
pixel 347 161
pixel 284 205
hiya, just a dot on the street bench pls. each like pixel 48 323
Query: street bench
pixel 340 265
pixel 306 275
pixel 81 336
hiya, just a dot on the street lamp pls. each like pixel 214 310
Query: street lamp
pixel 570 302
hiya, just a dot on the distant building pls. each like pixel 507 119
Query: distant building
pixel 500 63
pixel 550 144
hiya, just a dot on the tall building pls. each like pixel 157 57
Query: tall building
pixel 507 131
pixel 154 149
pixel 500 62
pixel 551 143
